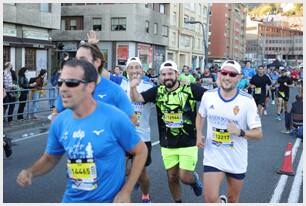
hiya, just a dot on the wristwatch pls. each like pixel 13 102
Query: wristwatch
pixel 242 133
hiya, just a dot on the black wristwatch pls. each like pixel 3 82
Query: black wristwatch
pixel 242 133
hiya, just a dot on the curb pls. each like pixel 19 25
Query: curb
pixel 26 124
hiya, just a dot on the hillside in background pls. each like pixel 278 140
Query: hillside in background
pixel 260 10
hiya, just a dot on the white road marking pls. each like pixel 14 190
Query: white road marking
pixel 297 183
pixel 283 179
pixel 28 137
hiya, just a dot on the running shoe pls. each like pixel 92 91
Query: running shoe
pixel 273 102
pixel 278 118
pixel 285 131
pixel 223 198
pixel 146 199
pixel 197 186
pixel 265 112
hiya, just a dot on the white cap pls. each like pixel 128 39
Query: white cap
pixel 133 59
pixel 168 64
pixel 233 64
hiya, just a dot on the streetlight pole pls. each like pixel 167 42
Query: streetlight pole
pixel 204 40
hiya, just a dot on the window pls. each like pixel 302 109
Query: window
pixel 45 7
pixel 173 20
pixel 173 39
pixel 186 18
pixel 162 8
pixel 155 28
pixel 118 24
pixel 147 5
pixel 63 24
pixel 6 54
pixel 147 26
pixel 97 24
pixel 30 58
pixel 165 31
pixel 72 23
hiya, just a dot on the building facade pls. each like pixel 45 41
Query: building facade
pixel 27 34
pixel 124 30
pixel 267 41
pixel 227 31
pixel 185 45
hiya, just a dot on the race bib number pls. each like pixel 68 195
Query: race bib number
pixel 174 120
pixel 83 173
pixel 257 90
pixel 138 107
pixel 221 137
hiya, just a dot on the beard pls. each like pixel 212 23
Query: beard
pixel 169 83
pixel 226 87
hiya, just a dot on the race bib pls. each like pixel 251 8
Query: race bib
pixel 221 137
pixel 258 90
pixel 83 174
pixel 174 120
pixel 138 107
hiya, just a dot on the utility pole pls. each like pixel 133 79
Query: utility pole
pixel 204 40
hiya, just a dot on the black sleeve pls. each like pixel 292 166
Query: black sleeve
pixel 32 80
pixel 290 81
pixel 149 95
pixel 23 83
pixel 252 80
pixel 197 91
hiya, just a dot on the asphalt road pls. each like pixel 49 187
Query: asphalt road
pixel 265 158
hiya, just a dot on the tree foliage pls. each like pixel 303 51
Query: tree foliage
pixel 275 8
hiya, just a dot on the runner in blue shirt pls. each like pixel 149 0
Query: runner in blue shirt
pixel 106 91
pixel 248 73
pixel 87 131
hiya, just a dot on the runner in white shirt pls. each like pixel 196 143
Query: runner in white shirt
pixel 142 111
pixel 232 119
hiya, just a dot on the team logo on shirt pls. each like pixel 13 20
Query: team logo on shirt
pixel 101 95
pixel 212 107
pixel 98 132
pixel 78 134
pixel 236 110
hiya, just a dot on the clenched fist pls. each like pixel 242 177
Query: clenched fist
pixel 24 178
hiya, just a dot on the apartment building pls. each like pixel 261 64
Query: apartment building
pixel 227 28
pixel 124 30
pixel 267 41
pixel 185 45
pixel 27 34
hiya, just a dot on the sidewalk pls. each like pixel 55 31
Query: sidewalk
pixel 41 121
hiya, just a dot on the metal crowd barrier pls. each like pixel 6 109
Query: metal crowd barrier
pixel 29 102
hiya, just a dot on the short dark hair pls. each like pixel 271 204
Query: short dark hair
pixel 260 66
pixel 22 71
pixel 42 72
pixel 90 72
pixel 95 52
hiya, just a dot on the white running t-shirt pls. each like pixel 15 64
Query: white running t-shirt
pixel 142 110
pixel 228 153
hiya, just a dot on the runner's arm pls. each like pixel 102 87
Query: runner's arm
pixel 140 153
pixel 42 166
pixel 253 134
pixel 199 127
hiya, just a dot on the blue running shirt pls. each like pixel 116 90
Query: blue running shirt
pixel 103 136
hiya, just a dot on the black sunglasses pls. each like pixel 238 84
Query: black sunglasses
pixel 231 74
pixel 70 82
